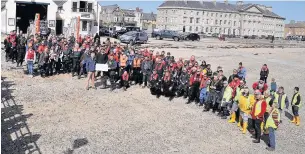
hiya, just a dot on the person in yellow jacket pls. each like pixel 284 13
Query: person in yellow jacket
pixel 245 103
pixel 296 104
pixel 226 100
pixel 272 123
pixel 281 98
pixel 234 108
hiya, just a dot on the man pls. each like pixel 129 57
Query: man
pixel 272 123
pixel 21 49
pixel 208 71
pixel 136 69
pixel 155 84
pixel 76 54
pixel 231 78
pixel 296 104
pixel 184 84
pixel 215 88
pixel 194 85
pixel 44 62
pixel 225 99
pixel 166 83
pixel 257 114
pixel 146 70
pixel 281 98
pixel 241 71
pixel 236 86
pixel 260 85
pixel 245 103
pixel 66 59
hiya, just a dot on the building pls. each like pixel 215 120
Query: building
pixel 113 15
pixel 215 17
pixel 295 29
pixel 60 15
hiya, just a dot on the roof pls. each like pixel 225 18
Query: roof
pixel 295 25
pixel 148 16
pixel 60 2
pixel 128 13
pixel 217 6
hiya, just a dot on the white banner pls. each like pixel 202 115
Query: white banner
pixel 101 67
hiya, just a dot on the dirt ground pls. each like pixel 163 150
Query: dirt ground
pixel 57 115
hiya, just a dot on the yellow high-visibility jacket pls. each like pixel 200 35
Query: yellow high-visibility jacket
pixel 245 103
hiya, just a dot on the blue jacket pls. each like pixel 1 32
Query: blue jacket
pixel 90 64
pixel 130 60
pixel 242 73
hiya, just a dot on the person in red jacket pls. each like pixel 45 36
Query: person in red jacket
pixel 260 85
pixel 257 113
pixel 125 80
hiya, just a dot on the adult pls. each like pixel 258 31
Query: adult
pixel 264 73
pixel 231 77
pixel 296 104
pixel 90 67
pixel 241 71
pixel 257 114
pixel 260 85
pixel 281 98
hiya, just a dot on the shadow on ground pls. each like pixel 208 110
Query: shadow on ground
pixel 16 138
pixel 77 144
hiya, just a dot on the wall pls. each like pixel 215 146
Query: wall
pixel 11 9
pixel 3 21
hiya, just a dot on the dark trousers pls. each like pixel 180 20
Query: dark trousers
pixel 66 66
pixel 194 91
pixel 13 54
pixel 257 127
pixel 145 78
pixel 136 75
pixel 264 78
pixel 295 110
pixel 125 83
pixel 83 69
pixel 51 66
pixel 113 77
pixel 20 57
pixel 58 66
pixel 75 66
pixel 44 69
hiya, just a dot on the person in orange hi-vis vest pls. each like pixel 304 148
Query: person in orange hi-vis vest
pixel 123 63
pixel 257 113
pixel 136 69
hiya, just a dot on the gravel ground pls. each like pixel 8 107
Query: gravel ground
pixel 61 117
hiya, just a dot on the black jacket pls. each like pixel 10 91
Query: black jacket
pixel 101 58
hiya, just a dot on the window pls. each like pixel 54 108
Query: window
pixel 197 20
pixel 225 22
pixel 89 7
pixel 234 23
pixel 229 22
pixel 208 14
pixel 207 21
pixel 207 29
pixel 74 6
pixel 184 19
pixel 211 30
pixel 225 15
pixel 165 19
pixel 216 14
pixel 84 26
pixel 191 20
pixel 197 13
pixel 184 12
pixel 216 22
pixel 229 15
pixel 166 12
pixel 212 14
pixel 59 8
pixel 196 29
pixel 202 12
pixel 220 15
pixel 190 29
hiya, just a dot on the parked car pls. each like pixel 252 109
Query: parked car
pixel 193 37
pixel 134 37
pixel 124 30
pixel 215 35
pixel 104 31
pixel 254 37
pixel 168 34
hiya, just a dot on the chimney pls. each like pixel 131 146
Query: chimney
pixel 226 2
pixel 269 8
pixel 137 9
pixel 239 3
pixel 214 2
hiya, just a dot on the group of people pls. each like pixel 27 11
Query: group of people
pixel 259 112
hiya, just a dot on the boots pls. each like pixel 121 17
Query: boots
pixel 233 118
pixel 297 121
pixel 245 125
pixel 239 121
pixel 294 120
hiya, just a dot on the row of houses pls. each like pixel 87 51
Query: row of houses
pixel 61 15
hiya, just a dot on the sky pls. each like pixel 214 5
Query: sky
pixel 291 10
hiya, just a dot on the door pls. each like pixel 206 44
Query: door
pixel 59 26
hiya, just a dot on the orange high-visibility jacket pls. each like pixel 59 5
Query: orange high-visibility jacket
pixel 137 62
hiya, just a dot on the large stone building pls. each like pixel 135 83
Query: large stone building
pixel 295 29
pixel 215 17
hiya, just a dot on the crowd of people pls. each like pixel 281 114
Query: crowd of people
pixel 260 112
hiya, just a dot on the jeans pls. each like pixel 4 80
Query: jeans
pixel 203 95
pixel 271 137
pixel 30 67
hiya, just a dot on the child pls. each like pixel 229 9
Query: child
pixel 272 123
pixel 125 77
pixel 273 85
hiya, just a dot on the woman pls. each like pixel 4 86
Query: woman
pixel 203 65
pixel 264 73
pixel 90 66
